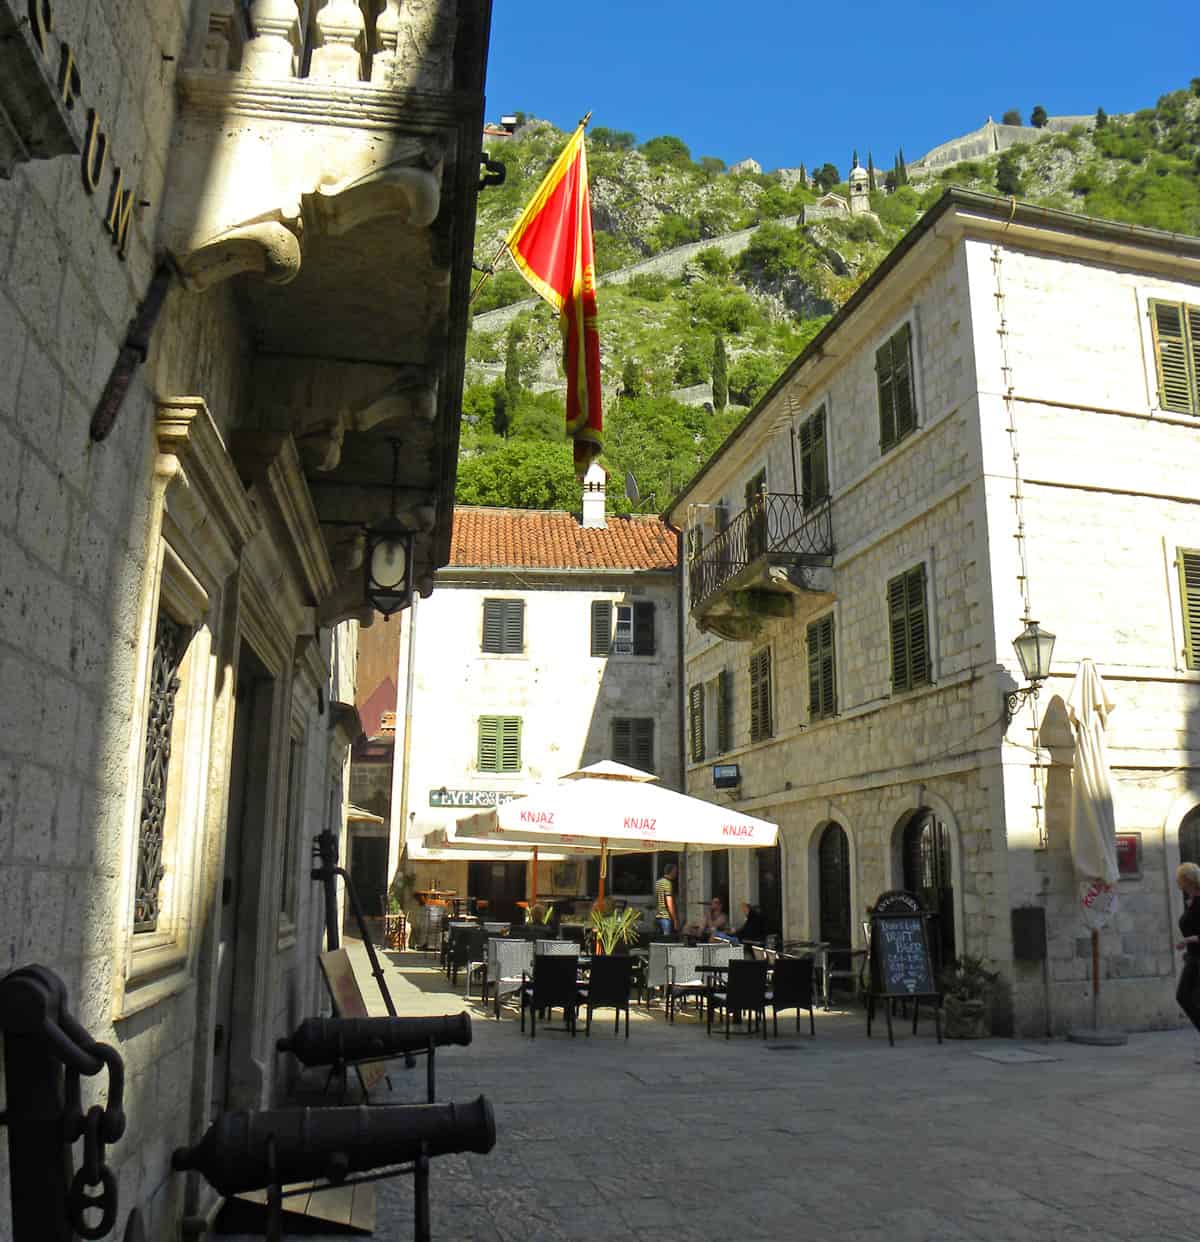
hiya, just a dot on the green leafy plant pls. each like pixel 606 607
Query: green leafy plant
pixel 614 927
pixel 399 891
pixel 968 979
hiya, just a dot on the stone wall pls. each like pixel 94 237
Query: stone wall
pixel 990 138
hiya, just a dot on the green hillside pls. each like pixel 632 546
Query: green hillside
pixel 661 333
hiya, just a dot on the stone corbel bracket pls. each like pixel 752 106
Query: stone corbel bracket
pixel 264 167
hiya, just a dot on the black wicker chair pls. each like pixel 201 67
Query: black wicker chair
pixel 609 986
pixel 792 988
pixel 744 991
pixel 553 986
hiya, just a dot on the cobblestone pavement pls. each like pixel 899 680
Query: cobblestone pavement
pixel 676 1136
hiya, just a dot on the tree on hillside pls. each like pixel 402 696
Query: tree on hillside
pixel 803 175
pixel 666 149
pixel 712 164
pixel 1038 117
pixel 720 374
pixel 854 160
pixel 1008 174
pixel 632 379
pixel 512 380
pixel 1012 117
pixel 1101 118
pixel 520 474
pixel 613 139
pixel 900 169
pixel 826 177
pixel 871 173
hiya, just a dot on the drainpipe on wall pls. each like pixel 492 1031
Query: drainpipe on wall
pixel 406 745
pixel 681 689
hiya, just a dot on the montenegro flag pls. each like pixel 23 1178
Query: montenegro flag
pixel 551 244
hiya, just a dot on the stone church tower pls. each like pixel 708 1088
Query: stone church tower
pixel 860 200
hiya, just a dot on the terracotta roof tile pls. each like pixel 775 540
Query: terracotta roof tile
pixel 551 539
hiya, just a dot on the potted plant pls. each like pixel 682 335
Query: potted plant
pixel 613 927
pixel 395 924
pixel 967 990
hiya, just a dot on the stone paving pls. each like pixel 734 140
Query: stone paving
pixel 676 1136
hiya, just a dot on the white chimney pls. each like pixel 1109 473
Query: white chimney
pixel 593 497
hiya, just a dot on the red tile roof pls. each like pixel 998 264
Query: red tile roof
pixel 550 539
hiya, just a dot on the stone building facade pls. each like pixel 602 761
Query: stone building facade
pixel 549 643
pixel 999 420
pixel 234 262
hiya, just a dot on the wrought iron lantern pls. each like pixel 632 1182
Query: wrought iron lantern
pixel 389 560
pixel 1035 648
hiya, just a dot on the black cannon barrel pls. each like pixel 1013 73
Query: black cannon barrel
pixel 332 1142
pixel 321 1041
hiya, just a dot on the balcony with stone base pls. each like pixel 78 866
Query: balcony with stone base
pixel 773 560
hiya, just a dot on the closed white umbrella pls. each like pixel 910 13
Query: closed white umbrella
pixel 1093 825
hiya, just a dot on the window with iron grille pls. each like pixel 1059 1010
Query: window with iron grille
pixel 170 645
pixel 1189 595
pixel 897 399
pixel 696 723
pixel 822 679
pixel 633 741
pixel 633 633
pixel 908 621
pixel 814 461
pixel 499 744
pixel 503 626
pixel 761 724
pixel 1176 330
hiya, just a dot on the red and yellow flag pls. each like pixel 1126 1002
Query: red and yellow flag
pixel 551 244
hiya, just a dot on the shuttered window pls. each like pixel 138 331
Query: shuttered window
pixel 1176 328
pixel 814 461
pixel 761 724
pixel 696 723
pixel 633 741
pixel 897 400
pixel 601 626
pixel 724 711
pixel 1189 594
pixel 499 743
pixel 634 633
pixel 643 629
pixel 909 625
pixel 503 626
pixel 822 684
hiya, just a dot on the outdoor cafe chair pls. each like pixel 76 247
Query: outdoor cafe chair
pixel 552 986
pixel 467 954
pixel 609 984
pixel 720 954
pixel 744 991
pixel 656 969
pixel 555 948
pixel 683 976
pixel 792 988
pixel 508 961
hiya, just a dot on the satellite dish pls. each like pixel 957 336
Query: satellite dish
pixel 632 494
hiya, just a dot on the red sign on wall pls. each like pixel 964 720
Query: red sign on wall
pixel 1129 855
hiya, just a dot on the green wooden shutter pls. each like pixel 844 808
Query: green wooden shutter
pixel 902 382
pixel 1189 595
pixel 622 739
pixel 696 722
pixel 510 744
pixel 601 626
pixel 493 625
pixel 1192 316
pixel 806 463
pixel 1177 363
pixel 821 684
pixel 887 396
pixel 724 711
pixel 820 460
pixel 514 625
pixel 760 695
pixel 489 744
pixel 828 668
pixel 643 629
pixel 503 626
pixel 643 743
pixel 918 626
pixel 898 633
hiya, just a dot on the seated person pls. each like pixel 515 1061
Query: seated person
pixel 754 925
pixel 713 924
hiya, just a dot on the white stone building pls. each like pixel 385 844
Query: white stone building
pixel 235 249
pixel 1002 419
pixel 549 643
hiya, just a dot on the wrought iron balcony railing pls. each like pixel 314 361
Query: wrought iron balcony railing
pixel 776 524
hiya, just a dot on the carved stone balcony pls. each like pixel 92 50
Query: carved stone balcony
pixel 331 175
pixel 773 557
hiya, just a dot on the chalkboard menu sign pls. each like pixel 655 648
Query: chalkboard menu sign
pixel 901 968
pixel 902 956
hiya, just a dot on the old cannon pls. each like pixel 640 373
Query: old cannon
pixel 341 1042
pixel 253 1150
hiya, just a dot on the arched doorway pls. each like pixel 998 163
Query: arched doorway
pixel 1189 836
pixel 770 887
pixel 929 874
pixel 833 866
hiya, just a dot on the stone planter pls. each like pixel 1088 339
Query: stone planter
pixel 965 1019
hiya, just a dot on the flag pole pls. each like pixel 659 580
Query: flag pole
pixel 502 249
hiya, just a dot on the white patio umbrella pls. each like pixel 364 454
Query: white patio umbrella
pixel 629 812
pixel 1093 822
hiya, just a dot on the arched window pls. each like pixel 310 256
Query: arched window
pixel 928 873
pixel 834 870
pixel 1189 837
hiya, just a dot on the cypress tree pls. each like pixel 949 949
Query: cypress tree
pixel 854 160
pixel 720 374
pixel 512 382
pixel 803 175
pixel 871 174
pixel 1101 118
pixel 901 169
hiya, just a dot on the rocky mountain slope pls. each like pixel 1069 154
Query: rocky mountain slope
pixel 697 262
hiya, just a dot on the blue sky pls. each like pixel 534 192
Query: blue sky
pixel 790 82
